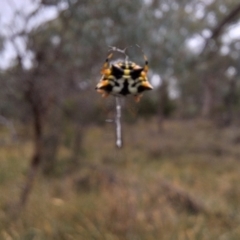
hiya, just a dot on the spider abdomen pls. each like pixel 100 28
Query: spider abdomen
pixel 123 78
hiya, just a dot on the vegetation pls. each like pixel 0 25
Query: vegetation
pixel 176 176
pixel 173 185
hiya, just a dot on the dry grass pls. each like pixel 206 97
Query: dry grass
pixel 180 183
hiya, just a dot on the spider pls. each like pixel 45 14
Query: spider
pixel 123 78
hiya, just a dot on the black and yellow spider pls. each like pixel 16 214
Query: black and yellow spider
pixel 123 78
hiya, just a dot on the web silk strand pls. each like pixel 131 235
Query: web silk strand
pixel 118 123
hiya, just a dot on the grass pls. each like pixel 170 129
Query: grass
pixel 140 192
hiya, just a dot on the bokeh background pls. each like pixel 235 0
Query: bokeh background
pixel 177 174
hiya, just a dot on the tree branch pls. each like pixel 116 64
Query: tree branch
pixel 219 28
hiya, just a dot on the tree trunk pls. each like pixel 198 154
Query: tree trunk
pixel 51 140
pixel 37 155
pixel 208 97
pixel 77 145
pixel 163 98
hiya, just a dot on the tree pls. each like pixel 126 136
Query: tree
pixel 64 55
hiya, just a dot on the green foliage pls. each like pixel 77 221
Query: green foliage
pixel 148 107
pixel 68 53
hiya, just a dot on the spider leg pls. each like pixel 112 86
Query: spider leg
pixel 105 68
pixel 145 69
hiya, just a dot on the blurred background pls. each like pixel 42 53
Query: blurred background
pixel 177 175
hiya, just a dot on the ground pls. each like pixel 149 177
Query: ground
pixel 179 182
